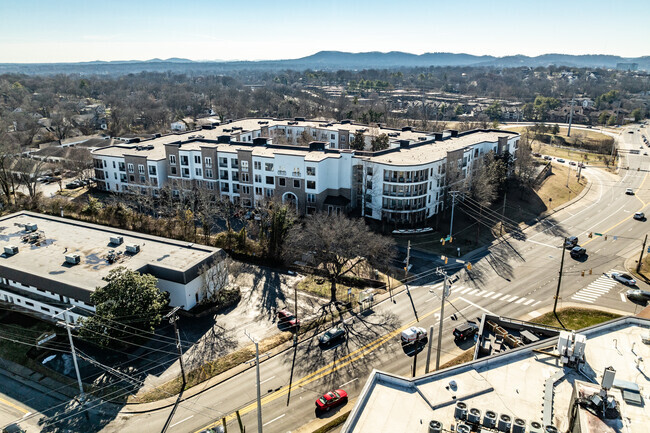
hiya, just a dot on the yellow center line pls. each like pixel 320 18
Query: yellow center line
pixel 8 403
pixel 322 372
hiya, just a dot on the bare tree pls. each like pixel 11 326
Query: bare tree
pixel 339 246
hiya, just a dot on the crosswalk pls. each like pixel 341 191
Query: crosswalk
pixel 492 295
pixel 595 290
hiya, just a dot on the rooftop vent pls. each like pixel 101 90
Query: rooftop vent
pixel 117 240
pixel 11 250
pixel 463 428
pixel 73 259
pixel 346 122
pixel 460 412
pixel 535 427
pixel 133 248
pixel 550 429
pixel 407 128
pixel 157 135
pixel 422 138
pixel 474 416
pixel 208 126
pixel 435 426
pixel 292 123
pixel 519 426
pixel 31 227
pixel 404 144
pixel 299 119
pixel 437 135
pixel 263 122
pixel 393 134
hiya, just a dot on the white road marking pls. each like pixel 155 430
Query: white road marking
pixel 534 313
pixel 349 381
pixel 273 420
pixel 462 292
pixel 496 296
pixel 266 380
pixel 520 300
pixel 183 420
pixel 513 298
pixel 477 306
pixel 475 292
pixel 540 243
pixel 528 302
pixel 579 298
pixel 504 297
pixel 488 294
pixel 623 297
pixel 536 303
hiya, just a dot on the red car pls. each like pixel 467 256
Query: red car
pixel 287 318
pixel 331 399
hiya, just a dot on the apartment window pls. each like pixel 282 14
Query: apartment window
pixel 185 160
pixel 282 181
pixel 132 178
pixel 225 187
pixel 235 176
pixel 369 184
pixel 313 134
pixel 311 198
pixel 199 184
pixel 113 164
pixel 210 185
pixel 343 138
pixel 234 163
pixel 223 162
pixel 172 171
pixel 122 177
pixel 175 193
pixel 115 175
pixel 296 183
pixel 154 181
pixel 172 159
pixel 269 180
pixel 208 173
pixel 268 192
pixel 311 171
pixel 369 171
pixel 311 184
pixel 258 190
pixel 198 172
pixel 131 168
pixel 197 159
pixel 223 174
pixel 311 210
pixel 244 165
pixel 245 177
pixel 143 179
pixel 104 163
pixel 152 170
pixel 186 172
pixel 258 178
pixel 208 161
pixel 140 169
pixel 268 166
pixel 245 189
pixel 332 137
pixel 257 165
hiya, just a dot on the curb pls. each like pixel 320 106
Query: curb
pixel 32 384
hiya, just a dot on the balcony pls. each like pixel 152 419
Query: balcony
pixel 282 172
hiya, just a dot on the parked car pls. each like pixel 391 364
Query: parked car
pixel 639 216
pixel 548 158
pixel 331 399
pixel 413 334
pixel 332 335
pixel 624 278
pixel 572 163
pixel 537 155
pixel 72 185
pixel 561 160
pixel 638 295
pixel 578 252
pixel 287 318
pixel 629 191
pixel 571 242
pixel 465 331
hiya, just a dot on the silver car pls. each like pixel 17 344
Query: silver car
pixel 624 278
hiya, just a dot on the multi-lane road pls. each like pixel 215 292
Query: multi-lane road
pixel 516 277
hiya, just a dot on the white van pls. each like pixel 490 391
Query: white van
pixel 413 334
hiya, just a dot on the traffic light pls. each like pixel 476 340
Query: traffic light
pixel 469 266
pixel 605 237
pixel 591 235
pixel 443 241
pixel 450 239
pixel 446 260
pixel 582 274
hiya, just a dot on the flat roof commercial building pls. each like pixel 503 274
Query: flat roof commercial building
pixel 305 162
pixel 599 382
pixel 51 263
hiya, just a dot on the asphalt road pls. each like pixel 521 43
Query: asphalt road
pixel 516 278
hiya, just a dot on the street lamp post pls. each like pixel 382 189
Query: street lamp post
pixel 259 393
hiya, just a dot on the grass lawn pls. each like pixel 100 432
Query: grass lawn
pixel 555 186
pixel 575 318
pixel 21 328
pixel 322 287
pixel 466 356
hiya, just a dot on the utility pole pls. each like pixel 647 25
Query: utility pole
pixel 259 393
pixel 68 325
pixel 573 100
pixel 568 175
pixel 173 317
pixel 426 368
pixel 408 259
pixel 453 203
pixel 503 214
pixel 442 313
pixel 559 282
pixel 638 265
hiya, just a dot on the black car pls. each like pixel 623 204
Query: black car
pixel 571 242
pixel 465 331
pixel 72 185
pixel 638 295
pixel 332 335
pixel 578 252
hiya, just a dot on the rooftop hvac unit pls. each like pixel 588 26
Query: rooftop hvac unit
pixel 608 376
pixel 11 250
pixel 460 412
pixel 117 240
pixel 133 248
pixel 519 426
pixel 490 419
pixel 550 429
pixel 505 423
pixel 535 427
pixel 463 428
pixel 474 416
pixel 73 259
pixel 435 426
pixel 31 227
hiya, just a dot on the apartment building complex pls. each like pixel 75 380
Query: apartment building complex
pixel 50 264
pixel 305 162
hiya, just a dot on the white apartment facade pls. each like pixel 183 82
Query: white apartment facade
pixel 242 161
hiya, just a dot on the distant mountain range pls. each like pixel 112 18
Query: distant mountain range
pixel 326 60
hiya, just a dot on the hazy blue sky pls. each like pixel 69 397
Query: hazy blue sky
pixel 71 30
